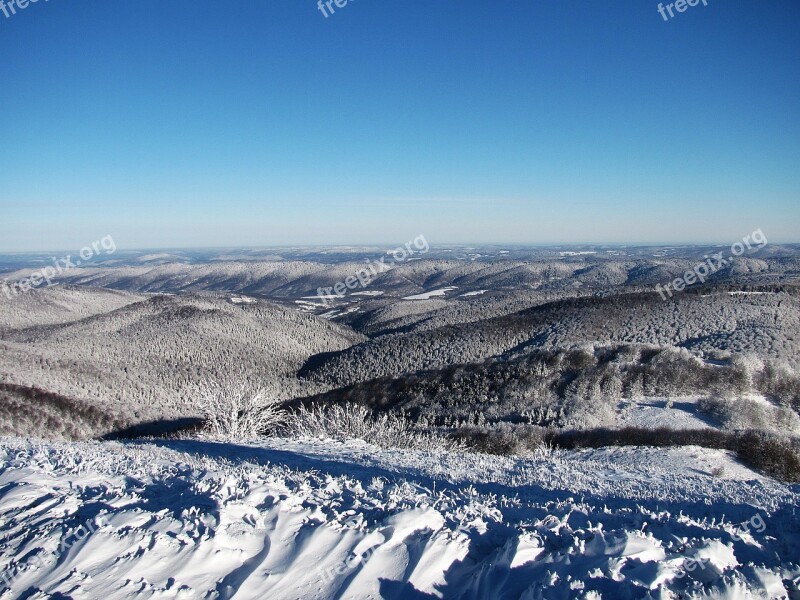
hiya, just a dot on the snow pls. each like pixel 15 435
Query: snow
pixel 336 313
pixel 475 293
pixel 243 300
pixel 306 305
pixel 651 413
pixel 368 293
pixel 321 519
pixel 432 294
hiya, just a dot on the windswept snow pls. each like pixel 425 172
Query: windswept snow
pixel 320 519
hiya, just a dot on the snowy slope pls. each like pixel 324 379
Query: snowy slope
pixel 320 519
pixel 651 413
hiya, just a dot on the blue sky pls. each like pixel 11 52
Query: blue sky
pixel 252 123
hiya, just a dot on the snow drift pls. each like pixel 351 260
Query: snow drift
pixel 320 519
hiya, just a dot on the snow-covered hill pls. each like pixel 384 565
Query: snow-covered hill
pixel 288 519
pixel 142 360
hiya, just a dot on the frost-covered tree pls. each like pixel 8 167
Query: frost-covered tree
pixel 238 412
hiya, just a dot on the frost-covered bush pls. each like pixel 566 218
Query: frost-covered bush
pixel 351 421
pixel 746 413
pixel 778 455
pixel 238 412
pixel 749 365
pixel 780 382
pixel 586 412
pixel 506 439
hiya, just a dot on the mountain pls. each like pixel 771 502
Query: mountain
pixel 714 323
pixel 147 358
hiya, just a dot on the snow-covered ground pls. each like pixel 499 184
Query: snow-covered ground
pixel 432 294
pixel 306 305
pixel 651 413
pixel 322 519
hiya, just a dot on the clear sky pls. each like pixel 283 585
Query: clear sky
pixel 186 123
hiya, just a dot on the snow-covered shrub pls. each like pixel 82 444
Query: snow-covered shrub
pixel 748 364
pixel 780 382
pixel 746 413
pixel 778 455
pixel 506 439
pixel 586 412
pixel 352 421
pixel 492 440
pixel 238 412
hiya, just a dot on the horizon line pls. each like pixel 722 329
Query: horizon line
pixel 515 245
